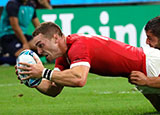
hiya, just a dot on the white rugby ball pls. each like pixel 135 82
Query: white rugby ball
pixel 27 57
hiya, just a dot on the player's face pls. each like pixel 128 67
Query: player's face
pixel 152 40
pixel 48 47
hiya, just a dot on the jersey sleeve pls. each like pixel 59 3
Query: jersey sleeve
pixel 61 64
pixel 12 9
pixel 78 54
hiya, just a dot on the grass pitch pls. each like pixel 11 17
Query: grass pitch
pixel 100 96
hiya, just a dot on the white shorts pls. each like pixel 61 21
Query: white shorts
pixel 152 68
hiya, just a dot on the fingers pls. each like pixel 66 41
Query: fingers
pixel 16 72
pixel 31 70
pixel 135 73
pixel 133 78
pixel 25 64
pixel 133 82
pixel 25 72
pixel 138 78
pixel 25 78
pixel 18 77
pixel 24 68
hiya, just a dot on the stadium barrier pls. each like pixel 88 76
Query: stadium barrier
pixel 124 23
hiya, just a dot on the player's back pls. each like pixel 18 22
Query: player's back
pixel 109 57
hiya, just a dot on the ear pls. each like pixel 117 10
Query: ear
pixel 147 41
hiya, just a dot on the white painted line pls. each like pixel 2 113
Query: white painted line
pixel 8 85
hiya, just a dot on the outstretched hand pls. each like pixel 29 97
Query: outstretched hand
pixel 32 70
pixel 138 78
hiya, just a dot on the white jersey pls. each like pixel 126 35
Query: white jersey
pixel 152 68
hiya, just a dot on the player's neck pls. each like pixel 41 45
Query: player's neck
pixel 63 45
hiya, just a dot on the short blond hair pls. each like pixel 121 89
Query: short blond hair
pixel 48 29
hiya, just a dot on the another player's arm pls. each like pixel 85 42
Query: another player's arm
pixel 18 31
pixel 140 78
pixel 74 77
pixel 35 22
pixel 49 88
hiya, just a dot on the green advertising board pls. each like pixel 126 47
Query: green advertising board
pixel 124 23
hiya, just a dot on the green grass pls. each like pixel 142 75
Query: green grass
pixel 100 96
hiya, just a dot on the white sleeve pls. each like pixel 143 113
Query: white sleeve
pixel 80 63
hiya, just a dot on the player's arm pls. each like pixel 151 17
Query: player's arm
pixel 74 77
pixel 49 88
pixel 139 78
pixel 35 22
pixel 12 11
pixel 18 31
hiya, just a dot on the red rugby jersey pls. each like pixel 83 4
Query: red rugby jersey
pixel 105 56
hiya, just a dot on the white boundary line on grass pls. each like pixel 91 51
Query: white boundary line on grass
pixel 106 92
pixel 120 92
pixel 8 85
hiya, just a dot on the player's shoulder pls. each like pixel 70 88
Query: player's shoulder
pixel 86 39
pixel 75 38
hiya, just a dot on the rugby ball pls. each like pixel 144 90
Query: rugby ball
pixel 27 57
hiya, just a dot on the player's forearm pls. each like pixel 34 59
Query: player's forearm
pixel 153 82
pixel 20 35
pixel 68 78
pixel 16 28
pixel 49 88
pixel 74 77
pixel 35 22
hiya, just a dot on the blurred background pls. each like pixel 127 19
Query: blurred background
pixel 73 2
pixel 123 20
